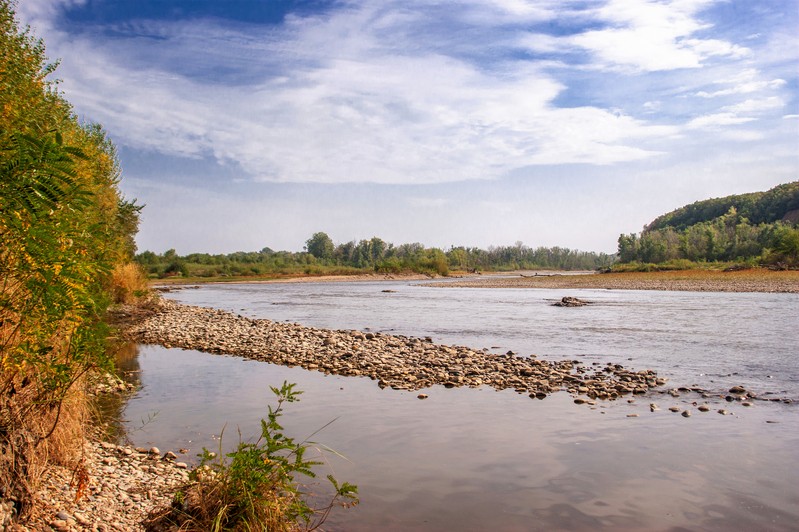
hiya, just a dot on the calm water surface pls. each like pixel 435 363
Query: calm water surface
pixel 477 459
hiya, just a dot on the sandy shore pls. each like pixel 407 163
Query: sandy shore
pixel 690 281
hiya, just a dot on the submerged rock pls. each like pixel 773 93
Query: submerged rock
pixel 570 302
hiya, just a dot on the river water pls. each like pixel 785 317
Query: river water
pixel 477 459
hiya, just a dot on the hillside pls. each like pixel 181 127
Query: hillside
pixel 778 203
pixel 755 228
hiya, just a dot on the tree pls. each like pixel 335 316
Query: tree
pixel 320 246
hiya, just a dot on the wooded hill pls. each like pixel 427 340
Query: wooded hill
pixel 755 228
pixel 774 205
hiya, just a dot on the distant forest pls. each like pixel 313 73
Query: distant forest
pixel 756 228
pixel 322 256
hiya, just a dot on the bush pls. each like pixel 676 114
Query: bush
pixel 254 487
pixel 128 283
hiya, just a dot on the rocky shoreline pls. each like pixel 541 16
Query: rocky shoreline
pixel 399 362
pixel 119 487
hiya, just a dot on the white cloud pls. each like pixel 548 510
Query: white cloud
pixel 717 120
pixel 652 106
pixel 642 95
pixel 746 81
pixel 741 135
pixel 756 105
pixel 651 36
pixel 340 102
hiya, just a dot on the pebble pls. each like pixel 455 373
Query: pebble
pixel 393 361
pixel 422 396
pixel 121 491
pixel 686 413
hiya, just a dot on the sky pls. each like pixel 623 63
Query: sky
pixel 244 124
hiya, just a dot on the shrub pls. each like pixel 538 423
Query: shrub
pixel 254 487
pixel 128 283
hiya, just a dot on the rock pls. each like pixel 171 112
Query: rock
pixel 397 362
pixel 686 413
pixel 632 415
pixel 422 396
pixel 674 408
pixel 570 302
pixel 154 450
pixel 703 408
pixel 169 455
pixel 737 389
pixel 653 407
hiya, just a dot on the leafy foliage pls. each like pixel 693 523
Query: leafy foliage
pixel 255 487
pixel 757 207
pixel 730 236
pixel 373 255
pixel 64 227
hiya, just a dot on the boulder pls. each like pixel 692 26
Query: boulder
pixel 568 301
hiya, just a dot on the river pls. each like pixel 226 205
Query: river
pixel 477 459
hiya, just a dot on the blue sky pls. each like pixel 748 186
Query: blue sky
pixel 244 124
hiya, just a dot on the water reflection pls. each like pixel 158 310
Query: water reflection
pixel 108 408
pixel 478 459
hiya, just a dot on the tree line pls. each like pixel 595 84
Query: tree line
pixel 756 207
pixel 322 255
pixel 697 233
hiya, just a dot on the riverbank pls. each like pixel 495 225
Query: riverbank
pixel 114 488
pixel 758 280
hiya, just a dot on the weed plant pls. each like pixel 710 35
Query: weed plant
pixel 254 487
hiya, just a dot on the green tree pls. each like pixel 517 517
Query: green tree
pixel 320 246
pixel 64 229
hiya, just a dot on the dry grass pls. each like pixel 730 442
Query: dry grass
pixel 36 437
pixel 128 283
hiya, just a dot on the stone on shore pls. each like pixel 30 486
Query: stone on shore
pixel 398 362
